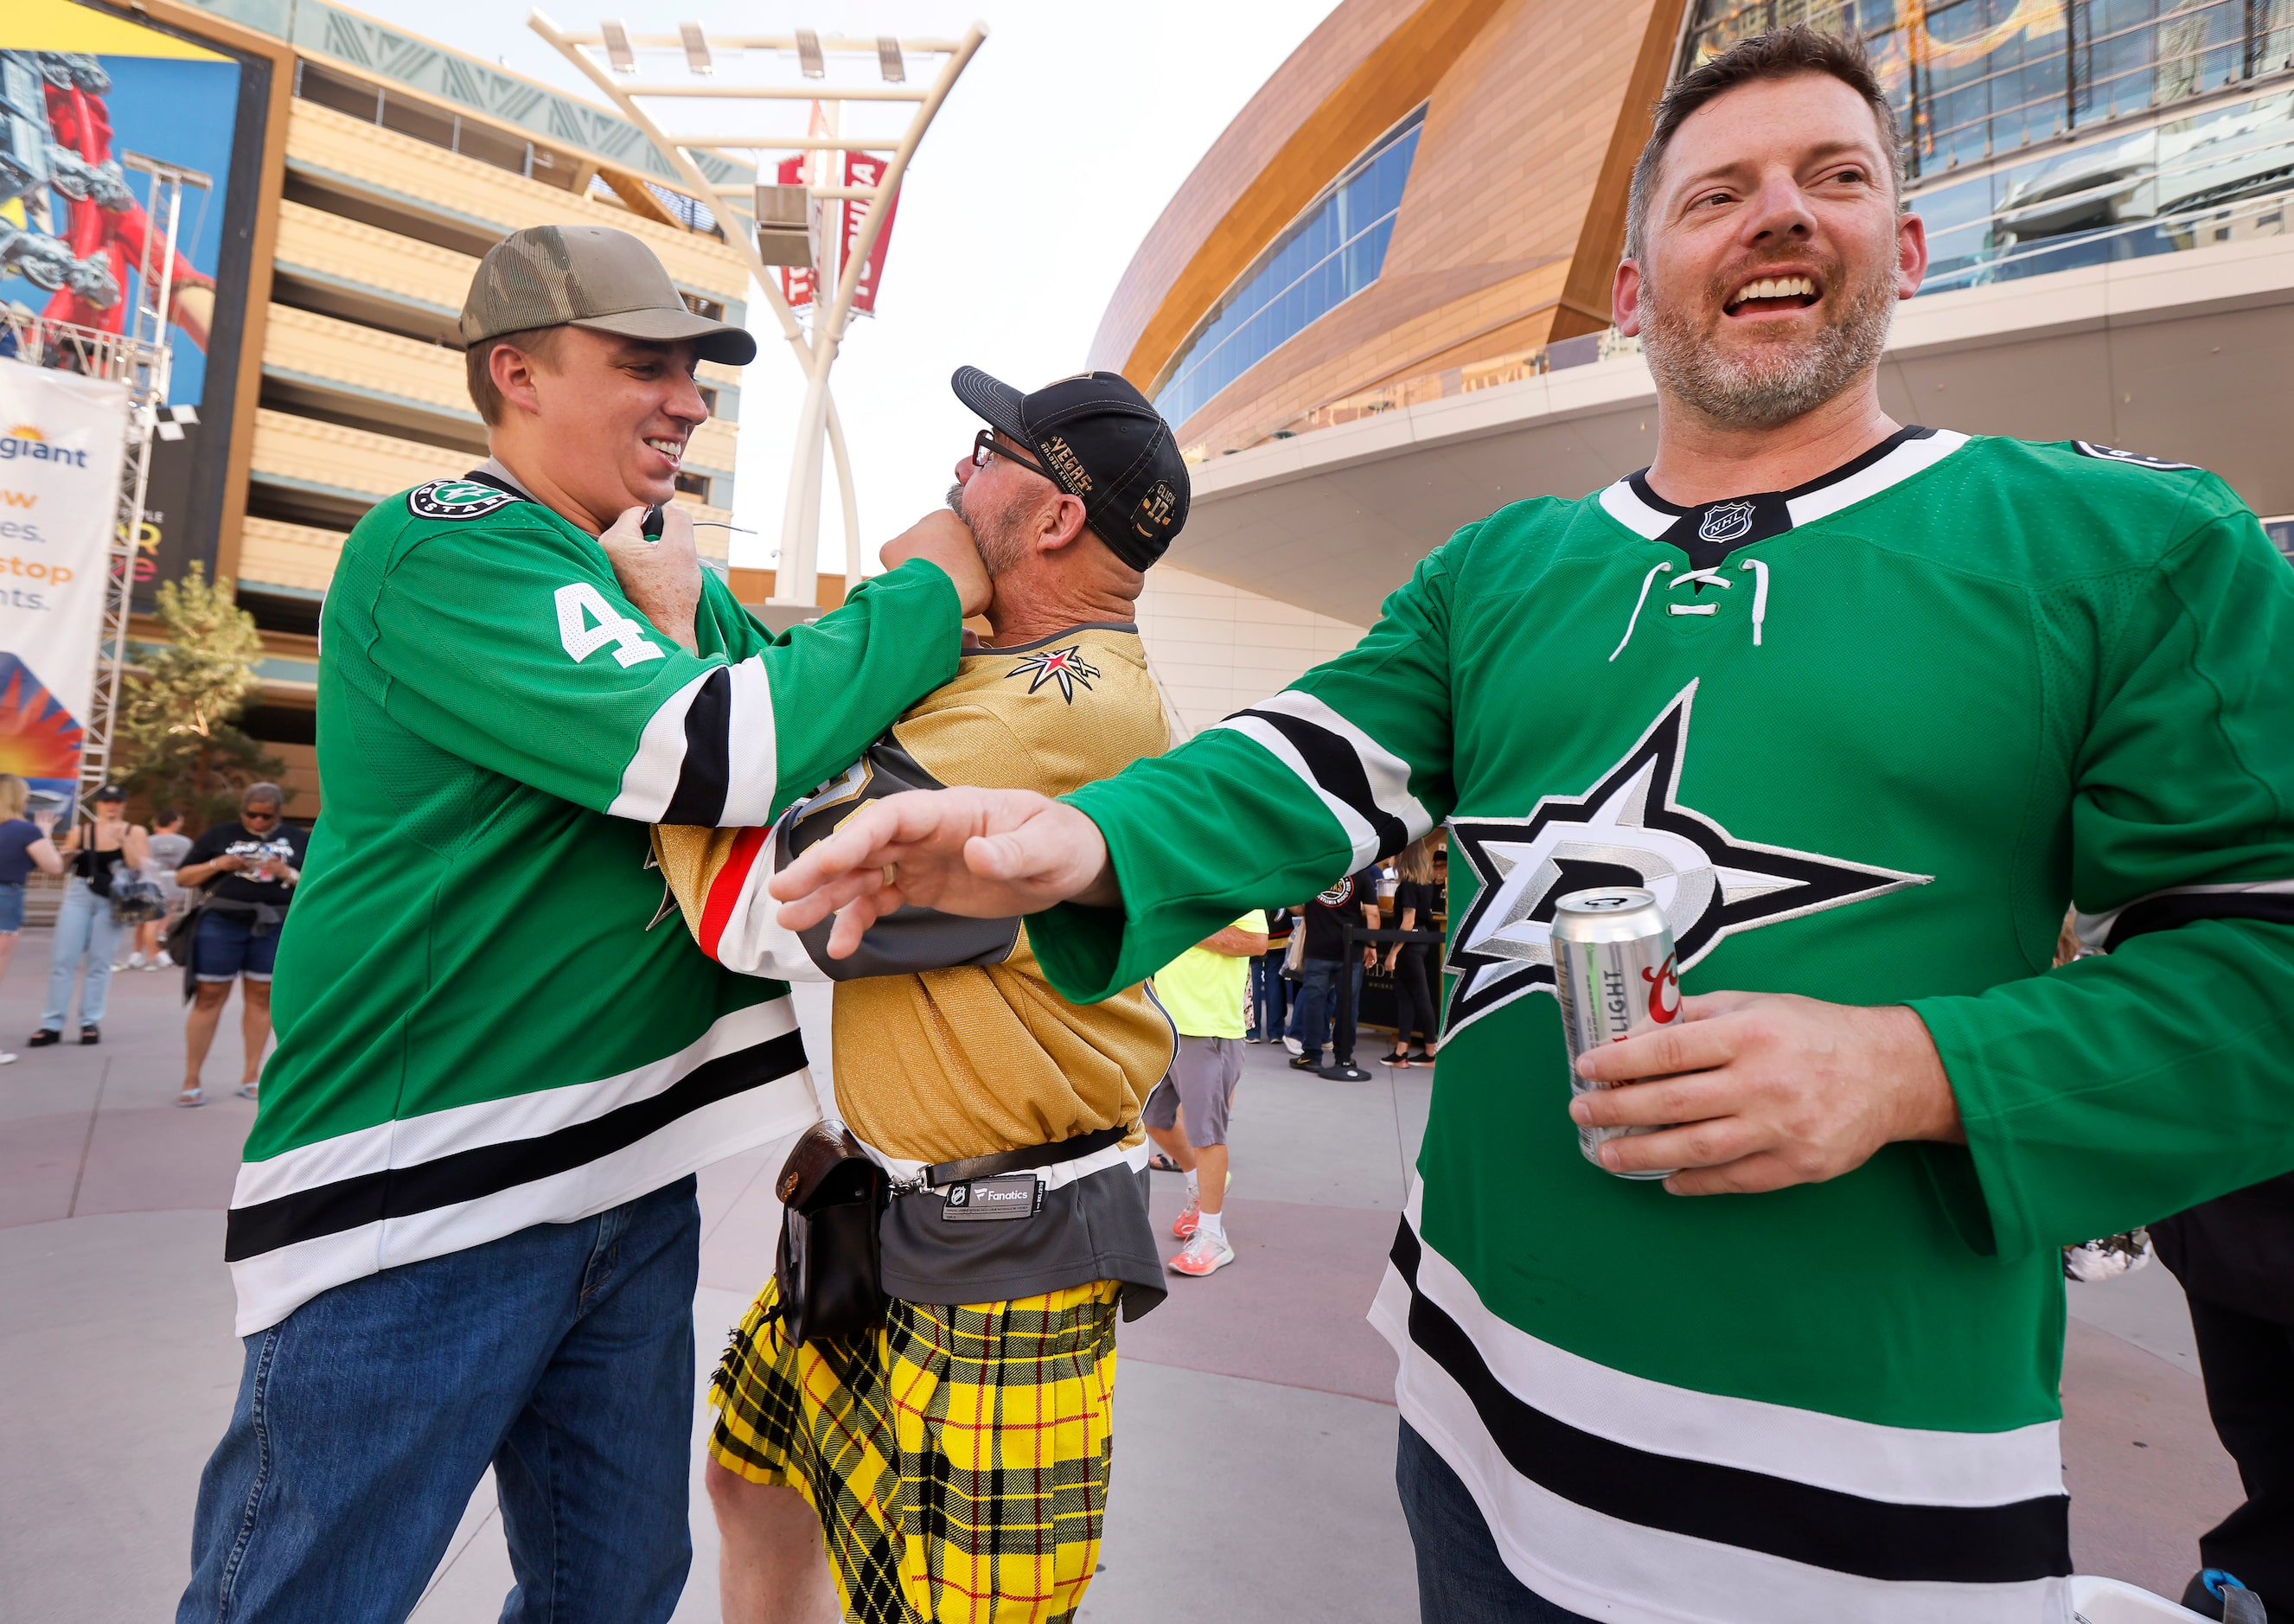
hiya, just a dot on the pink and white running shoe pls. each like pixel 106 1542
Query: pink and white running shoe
pixel 1182 1226
pixel 1203 1255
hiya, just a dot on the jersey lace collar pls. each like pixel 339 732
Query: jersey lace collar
pixel 1708 533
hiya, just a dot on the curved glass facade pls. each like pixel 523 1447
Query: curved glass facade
pixel 1972 80
pixel 1333 250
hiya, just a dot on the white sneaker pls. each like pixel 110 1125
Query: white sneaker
pixel 135 962
pixel 162 962
pixel 1294 1046
pixel 7 1059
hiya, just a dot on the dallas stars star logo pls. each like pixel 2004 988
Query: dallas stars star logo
pixel 1064 665
pixel 1630 828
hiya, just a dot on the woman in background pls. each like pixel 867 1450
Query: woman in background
pixel 24 846
pixel 85 927
pixel 1417 899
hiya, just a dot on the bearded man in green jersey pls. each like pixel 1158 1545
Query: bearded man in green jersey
pixel 1865 706
pixel 465 1233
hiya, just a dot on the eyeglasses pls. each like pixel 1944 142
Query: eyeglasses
pixel 984 446
pixel 258 817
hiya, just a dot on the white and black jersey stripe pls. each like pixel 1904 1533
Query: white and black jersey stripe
pixel 1627 1499
pixel 421 1186
pixel 2268 899
pixel 708 756
pixel 1365 786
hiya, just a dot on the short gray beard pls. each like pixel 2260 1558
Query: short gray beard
pixel 1774 383
pixel 996 535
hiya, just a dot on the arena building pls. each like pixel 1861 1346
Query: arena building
pixel 1379 307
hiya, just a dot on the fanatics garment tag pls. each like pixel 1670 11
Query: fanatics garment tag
pixel 985 1200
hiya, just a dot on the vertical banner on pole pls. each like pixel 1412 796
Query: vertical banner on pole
pixel 62 440
pixel 865 169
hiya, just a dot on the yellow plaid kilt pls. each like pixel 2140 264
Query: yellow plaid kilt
pixel 958 1457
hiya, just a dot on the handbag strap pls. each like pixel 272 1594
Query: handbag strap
pixel 1025 1161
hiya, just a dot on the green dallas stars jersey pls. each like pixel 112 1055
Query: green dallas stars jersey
pixel 478 1030
pixel 1864 739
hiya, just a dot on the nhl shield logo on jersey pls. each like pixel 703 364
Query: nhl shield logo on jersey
pixel 1628 829
pixel 456 498
pixel 1725 521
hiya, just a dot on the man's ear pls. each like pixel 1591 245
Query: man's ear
pixel 514 374
pixel 1062 523
pixel 1625 297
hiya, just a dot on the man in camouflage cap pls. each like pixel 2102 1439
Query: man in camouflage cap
pixel 465 1233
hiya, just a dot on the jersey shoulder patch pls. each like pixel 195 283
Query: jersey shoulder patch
pixel 2112 453
pixel 457 499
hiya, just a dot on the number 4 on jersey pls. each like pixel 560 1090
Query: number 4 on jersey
pixel 581 604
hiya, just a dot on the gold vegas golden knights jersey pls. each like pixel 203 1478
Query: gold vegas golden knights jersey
pixel 950 1043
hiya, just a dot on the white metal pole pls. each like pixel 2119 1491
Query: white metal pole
pixel 799 573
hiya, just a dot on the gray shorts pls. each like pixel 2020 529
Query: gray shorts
pixel 1201 1079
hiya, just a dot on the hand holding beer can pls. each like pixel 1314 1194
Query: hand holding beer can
pixel 1616 977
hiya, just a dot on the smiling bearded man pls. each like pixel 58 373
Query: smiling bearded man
pixel 1863 706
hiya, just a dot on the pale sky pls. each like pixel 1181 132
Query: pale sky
pixel 1074 124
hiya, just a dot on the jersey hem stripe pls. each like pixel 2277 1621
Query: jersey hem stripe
pixel 1613 1568
pixel 517 1116
pixel 272 1285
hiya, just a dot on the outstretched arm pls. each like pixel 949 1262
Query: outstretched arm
pixel 986 853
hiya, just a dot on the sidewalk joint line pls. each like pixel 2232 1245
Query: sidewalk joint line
pixel 79 1175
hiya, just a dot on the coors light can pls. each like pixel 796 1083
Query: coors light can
pixel 1615 973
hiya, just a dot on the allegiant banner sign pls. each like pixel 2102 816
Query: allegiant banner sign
pixel 62 437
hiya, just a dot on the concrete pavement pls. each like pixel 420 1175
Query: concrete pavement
pixel 1257 1433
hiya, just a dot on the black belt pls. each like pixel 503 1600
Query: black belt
pixel 1024 1160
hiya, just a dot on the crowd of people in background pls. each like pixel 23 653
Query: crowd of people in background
pixel 220 899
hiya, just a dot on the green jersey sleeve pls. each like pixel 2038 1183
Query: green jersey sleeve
pixel 512 646
pixel 2120 1089
pixel 1349 764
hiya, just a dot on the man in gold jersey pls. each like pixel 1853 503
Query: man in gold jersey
pixel 955 1462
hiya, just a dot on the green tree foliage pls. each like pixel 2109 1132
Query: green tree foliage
pixel 177 710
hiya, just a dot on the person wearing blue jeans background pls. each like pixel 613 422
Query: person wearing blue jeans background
pixel 1266 1019
pixel 1353 901
pixel 85 927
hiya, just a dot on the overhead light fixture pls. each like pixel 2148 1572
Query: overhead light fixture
pixel 809 56
pixel 617 47
pixel 697 48
pixel 784 226
pixel 888 60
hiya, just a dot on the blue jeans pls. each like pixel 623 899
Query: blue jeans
pixel 1461 1578
pixel 561 1355
pixel 85 929
pixel 1317 1019
pixel 1270 996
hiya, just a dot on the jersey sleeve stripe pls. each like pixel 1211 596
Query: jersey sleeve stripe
pixel 699 799
pixel 650 780
pixel 1360 833
pixel 2271 901
pixel 752 746
pixel 726 886
pixel 1344 761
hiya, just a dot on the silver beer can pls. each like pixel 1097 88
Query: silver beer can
pixel 1615 975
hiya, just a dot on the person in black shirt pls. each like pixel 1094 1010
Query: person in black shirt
pixel 248 869
pixel 1353 901
pixel 1416 901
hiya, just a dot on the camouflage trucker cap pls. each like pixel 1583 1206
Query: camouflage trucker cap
pixel 590 276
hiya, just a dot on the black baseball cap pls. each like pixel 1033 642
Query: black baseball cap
pixel 1103 443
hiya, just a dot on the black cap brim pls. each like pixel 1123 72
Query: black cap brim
pixel 717 341
pixel 994 401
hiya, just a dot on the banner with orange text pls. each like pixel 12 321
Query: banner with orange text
pixel 61 439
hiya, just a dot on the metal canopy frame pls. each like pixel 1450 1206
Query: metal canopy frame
pixel 607 58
